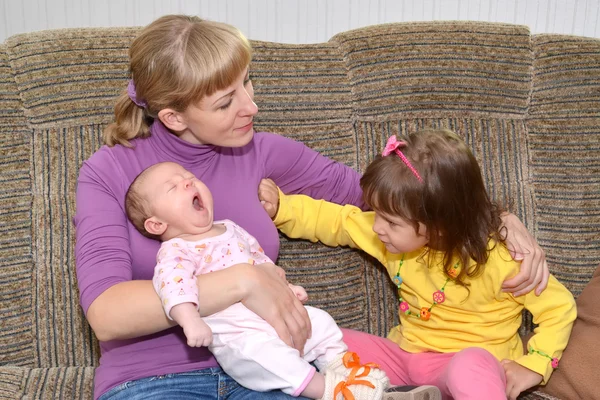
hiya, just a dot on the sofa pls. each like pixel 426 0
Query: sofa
pixel 528 105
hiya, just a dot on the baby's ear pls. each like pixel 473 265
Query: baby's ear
pixel 155 226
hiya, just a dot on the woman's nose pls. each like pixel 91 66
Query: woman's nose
pixel 249 107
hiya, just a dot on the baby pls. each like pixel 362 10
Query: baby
pixel 166 202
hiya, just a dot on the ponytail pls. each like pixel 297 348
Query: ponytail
pixel 176 61
pixel 131 122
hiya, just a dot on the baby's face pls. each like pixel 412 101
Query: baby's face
pixel 179 199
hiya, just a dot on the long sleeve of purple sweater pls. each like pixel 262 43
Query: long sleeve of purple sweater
pixel 109 250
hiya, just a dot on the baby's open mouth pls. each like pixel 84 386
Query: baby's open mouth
pixel 197 203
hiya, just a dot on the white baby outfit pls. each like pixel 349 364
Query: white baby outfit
pixel 245 345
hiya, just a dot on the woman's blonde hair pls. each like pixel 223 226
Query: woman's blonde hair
pixel 174 62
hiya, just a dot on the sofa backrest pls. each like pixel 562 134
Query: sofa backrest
pixel 563 129
pixel 510 97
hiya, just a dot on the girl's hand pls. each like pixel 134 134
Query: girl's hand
pixel 523 247
pixel 268 295
pixel 268 194
pixel 518 378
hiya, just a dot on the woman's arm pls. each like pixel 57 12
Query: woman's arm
pixel 127 310
pixel 295 168
pixel 132 309
pixel 534 272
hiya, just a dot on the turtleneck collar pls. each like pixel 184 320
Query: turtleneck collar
pixel 176 149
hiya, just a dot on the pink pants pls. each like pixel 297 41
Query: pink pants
pixel 472 373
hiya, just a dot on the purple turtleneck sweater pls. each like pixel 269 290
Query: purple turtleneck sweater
pixel 109 250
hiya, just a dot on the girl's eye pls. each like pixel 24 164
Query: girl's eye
pixel 247 80
pixel 225 106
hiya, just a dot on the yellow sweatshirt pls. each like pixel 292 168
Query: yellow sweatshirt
pixel 486 317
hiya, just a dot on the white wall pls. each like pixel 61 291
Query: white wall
pixel 300 21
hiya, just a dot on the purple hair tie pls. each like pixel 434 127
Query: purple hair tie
pixel 393 146
pixel 133 95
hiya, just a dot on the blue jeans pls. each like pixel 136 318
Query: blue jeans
pixel 206 384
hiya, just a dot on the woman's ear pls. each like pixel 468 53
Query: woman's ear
pixel 155 226
pixel 172 119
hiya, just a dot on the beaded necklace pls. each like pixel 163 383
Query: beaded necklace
pixel 438 296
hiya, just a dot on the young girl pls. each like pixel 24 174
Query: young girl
pixel 439 235
pixel 167 202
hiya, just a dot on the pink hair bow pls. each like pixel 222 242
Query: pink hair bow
pixel 394 145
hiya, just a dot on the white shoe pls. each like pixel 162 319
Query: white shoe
pixel 365 382
pixel 413 393
pixel 337 387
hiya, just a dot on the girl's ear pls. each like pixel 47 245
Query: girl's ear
pixel 155 226
pixel 172 119
pixel 423 231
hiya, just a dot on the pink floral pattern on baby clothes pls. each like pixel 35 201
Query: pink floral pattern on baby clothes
pixel 179 261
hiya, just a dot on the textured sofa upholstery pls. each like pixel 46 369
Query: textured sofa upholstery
pixel 528 105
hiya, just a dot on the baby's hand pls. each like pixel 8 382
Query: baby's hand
pixel 268 195
pixel 518 378
pixel 299 292
pixel 196 331
pixel 198 334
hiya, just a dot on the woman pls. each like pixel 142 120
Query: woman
pixel 190 101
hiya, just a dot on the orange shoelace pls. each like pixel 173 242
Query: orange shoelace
pixel 351 360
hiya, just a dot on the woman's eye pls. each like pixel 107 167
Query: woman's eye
pixel 247 80
pixel 225 106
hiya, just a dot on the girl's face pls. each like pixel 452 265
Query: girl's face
pixel 398 235
pixel 224 118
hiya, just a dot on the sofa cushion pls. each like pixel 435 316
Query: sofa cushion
pixel 46 383
pixel 438 69
pixel 16 264
pixel 578 369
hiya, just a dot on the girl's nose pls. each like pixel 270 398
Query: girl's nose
pixel 377 226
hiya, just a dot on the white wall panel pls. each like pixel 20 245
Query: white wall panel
pixel 300 21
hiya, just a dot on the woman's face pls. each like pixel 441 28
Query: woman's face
pixel 224 118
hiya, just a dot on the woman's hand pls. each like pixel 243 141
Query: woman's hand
pixel 268 194
pixel 523 247
pixel 267 294
pixel 518 378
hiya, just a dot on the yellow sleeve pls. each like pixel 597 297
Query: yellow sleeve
pixel 554 312
pixel 303 217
